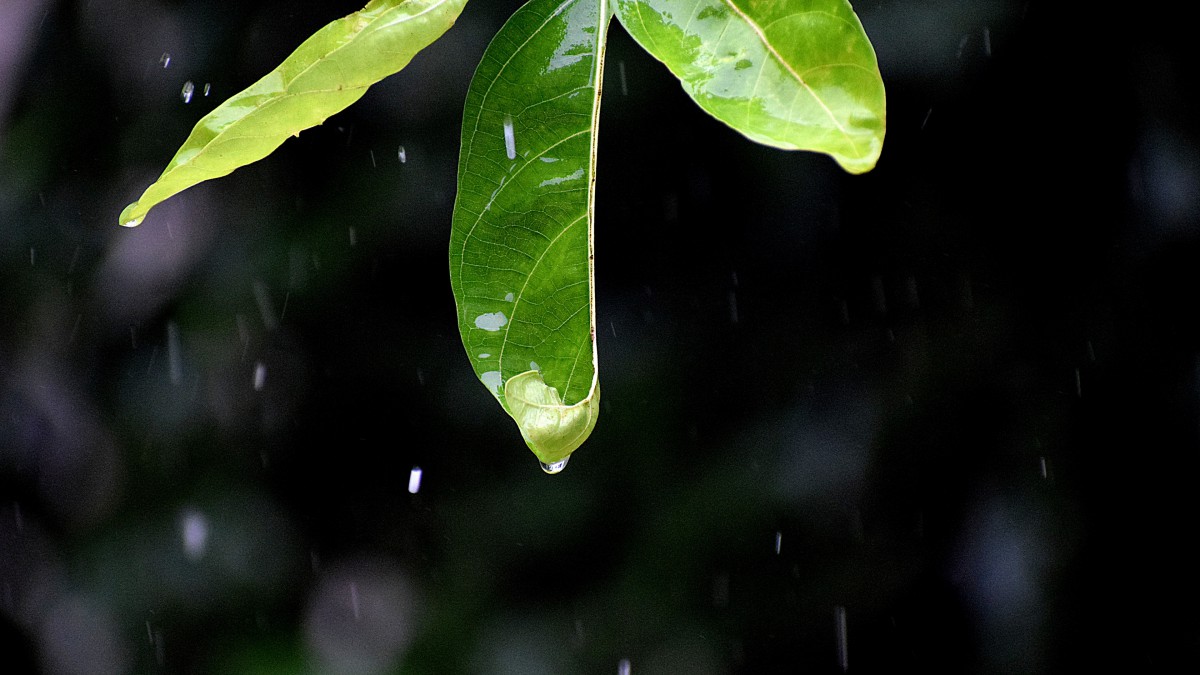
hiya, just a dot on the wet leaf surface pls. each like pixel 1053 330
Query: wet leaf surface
pixel 793 75
pixel 521 247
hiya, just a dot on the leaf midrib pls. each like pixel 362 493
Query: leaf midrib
pixel 762 36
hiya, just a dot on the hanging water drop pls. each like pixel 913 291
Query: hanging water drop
pixel 555 467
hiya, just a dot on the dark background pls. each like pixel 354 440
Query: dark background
pixel 951 405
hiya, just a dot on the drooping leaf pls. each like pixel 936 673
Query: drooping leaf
pixel 326 73
pixel 793 74
pixel 521 244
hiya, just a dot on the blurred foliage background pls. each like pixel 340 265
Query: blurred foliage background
pixel 938 418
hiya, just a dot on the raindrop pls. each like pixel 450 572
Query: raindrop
pixel 1078 385
pixel 194 528
pixel 778 542
pixel 354 600
pixel 1042 463
pixel 555 467
pixel 266 308
pixel 174 358
pixel 188 89
pixel 32 257
pixel 207 88
pixel 414 480
pixel 926 120
pixel 624 82
pixel 720 590
pixel 733 307
pixel 165 59
pixel 74 261
pixel 623 667
pixel 353 236
pixel 878 295
pixel 402 154
pixel 839 617
pixel 987 41
pixel 510 141
pixel 260 375
pixel 421 377
pixel 373 164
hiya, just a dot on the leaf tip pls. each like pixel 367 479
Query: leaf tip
pixel 551 429
pixel 130 216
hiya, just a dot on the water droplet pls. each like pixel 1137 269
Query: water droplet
pixel 987 41
pixel 492 380
pixel 624 668
pixel 266 308
pixel 485 355
pixel 353 233
pixel 534 366
pixel 778 542
pixel 550 182
pixel 402 154
pixel 491 322
pixel 510 140
pixel 508 297
pixel 354 601
pixel 188 89
pixel 373 164
pixel 260 375
pixel 194 528
pixel 174 358
pixel 621 74
pixel 414 480
pixel 555 467
pixel 839 617
pixel 165 59
pixel 207 88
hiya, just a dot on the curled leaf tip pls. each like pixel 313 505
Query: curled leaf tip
pixel 551 430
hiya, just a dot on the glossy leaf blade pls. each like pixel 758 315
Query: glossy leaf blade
pixel 793 74
pixel 326 73
pixel 521 245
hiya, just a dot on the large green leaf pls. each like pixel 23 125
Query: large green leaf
pixel 793 74
pixel 521 246
pixel 328 72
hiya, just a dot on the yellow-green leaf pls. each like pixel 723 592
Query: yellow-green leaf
pixel 793 74
pixel 326 73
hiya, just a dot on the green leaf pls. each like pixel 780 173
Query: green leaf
pixel 793 74
pixel 328 72
pixel 521 245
